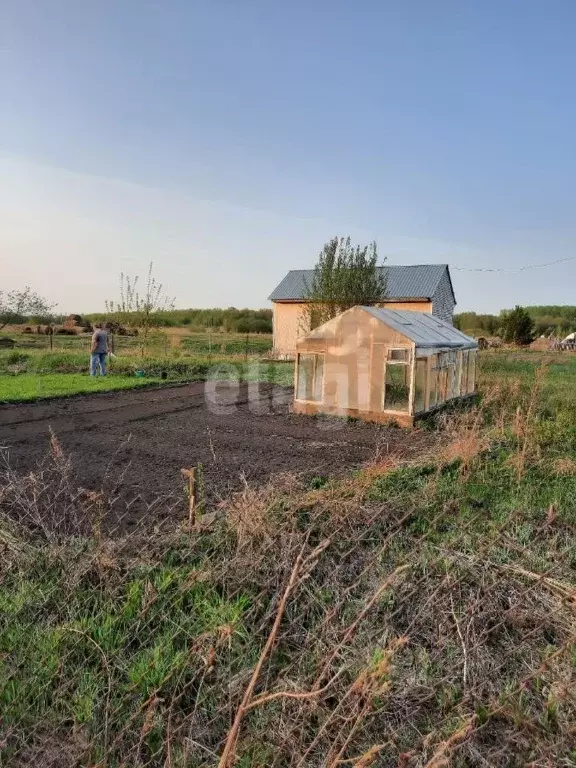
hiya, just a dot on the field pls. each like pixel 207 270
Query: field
pixel 236 433
pixel 418 610
pixel 167 343
pixel 34 370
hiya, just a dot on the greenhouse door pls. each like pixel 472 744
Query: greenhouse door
pixel 397 373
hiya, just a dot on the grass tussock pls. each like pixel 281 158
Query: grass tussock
pixel 409 615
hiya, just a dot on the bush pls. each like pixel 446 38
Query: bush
pixel 16 358
pixel 59 362
pixel 253 325
pixel 8 359
pixel 518 327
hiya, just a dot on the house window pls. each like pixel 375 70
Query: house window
pixel 310 377
pixel 397 381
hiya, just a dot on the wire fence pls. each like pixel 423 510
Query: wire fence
pixel 402 616
pixel 156 344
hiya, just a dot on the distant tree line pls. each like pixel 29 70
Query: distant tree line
pixel 547 321
pixel 231 320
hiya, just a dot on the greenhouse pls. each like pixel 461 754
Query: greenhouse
pixel 383 365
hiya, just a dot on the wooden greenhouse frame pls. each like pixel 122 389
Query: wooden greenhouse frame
pixel 383 365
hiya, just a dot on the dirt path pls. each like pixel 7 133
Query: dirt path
pixel 237 432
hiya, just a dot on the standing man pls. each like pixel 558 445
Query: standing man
pixel 98 350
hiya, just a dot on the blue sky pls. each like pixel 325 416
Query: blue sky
pixel 227 141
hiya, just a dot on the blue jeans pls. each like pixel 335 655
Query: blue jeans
pixel 98 362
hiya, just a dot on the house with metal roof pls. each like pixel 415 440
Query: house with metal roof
pixel 420 288
pixel 383 365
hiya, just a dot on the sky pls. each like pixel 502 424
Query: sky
pixel 226 141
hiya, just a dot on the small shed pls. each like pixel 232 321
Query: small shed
pixel 383 365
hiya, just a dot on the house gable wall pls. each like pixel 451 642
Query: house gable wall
pixel 443 302
pixel 290 322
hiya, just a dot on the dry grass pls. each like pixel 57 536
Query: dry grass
pixel 467 442
pixel 49 500
pixel 565 466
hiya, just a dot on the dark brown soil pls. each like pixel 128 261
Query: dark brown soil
pixel 241 433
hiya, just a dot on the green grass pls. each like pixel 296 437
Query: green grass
pixel 31 370
pixel 27 387
pixel 18 361
pixel 223 344
pixel 25 377
pixel 89 625
pixel 518 372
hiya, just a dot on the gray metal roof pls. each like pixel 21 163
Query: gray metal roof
pixel 411 282
pixel 424 329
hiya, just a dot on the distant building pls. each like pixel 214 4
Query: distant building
pixel 420 288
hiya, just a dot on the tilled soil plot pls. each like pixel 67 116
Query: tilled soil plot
pixel 140 440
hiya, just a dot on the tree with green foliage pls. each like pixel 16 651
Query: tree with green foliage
pixel 345 276
pixel 518 327
pixel 17 306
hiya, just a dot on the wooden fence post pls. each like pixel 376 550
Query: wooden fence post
pixel 190 474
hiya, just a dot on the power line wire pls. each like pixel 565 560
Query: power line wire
pixel 519 269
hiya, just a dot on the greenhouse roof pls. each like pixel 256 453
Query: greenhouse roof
pixel 424 329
